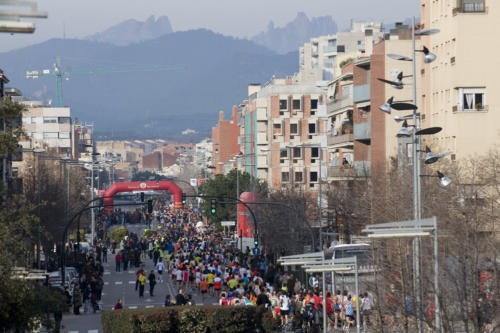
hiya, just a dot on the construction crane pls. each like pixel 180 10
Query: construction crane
pixel 61 75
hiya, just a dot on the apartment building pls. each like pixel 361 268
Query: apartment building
pixel 47 127
pixel 459 90
pixel 319 58
pixel 283 134
pixel 225 140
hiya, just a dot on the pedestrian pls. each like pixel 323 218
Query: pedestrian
pixel 142 284
pixel 152 282
pixel 77 300
pixel 86 297
pixel 160 267
pixel 137 274
pixel 168 302
pixel 57 321
pixel 105 254
pixel 180 299
pixel 118 261
pixel 119 304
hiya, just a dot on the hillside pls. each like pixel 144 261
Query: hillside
pixel 150 104
pixel 294 34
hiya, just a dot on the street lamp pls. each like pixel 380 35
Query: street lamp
pixel 416 142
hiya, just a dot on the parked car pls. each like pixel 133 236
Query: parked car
pixel 70 276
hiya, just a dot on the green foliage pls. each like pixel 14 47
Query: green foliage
pixel 147 176
pixel 118 234
pixel 149 232
pixel 82 235
pixel 223 188
pixel 189 319
pixel 11 113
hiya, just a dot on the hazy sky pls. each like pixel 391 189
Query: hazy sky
pixel 231 17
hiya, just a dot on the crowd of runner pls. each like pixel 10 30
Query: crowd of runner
pixel 198 260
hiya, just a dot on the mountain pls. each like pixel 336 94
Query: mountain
pixel 293 35
pixel 143 104
pixel 132 31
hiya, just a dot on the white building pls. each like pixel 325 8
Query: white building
pixel 47 127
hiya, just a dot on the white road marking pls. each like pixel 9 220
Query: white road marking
pixel 107 273
pixel 93 331
pixel 149 300
pixel 131 282
pixel 72 331
pixel 118 282
pixel 149 306
pixel 106 283
pixel 132 307
pixel 131 272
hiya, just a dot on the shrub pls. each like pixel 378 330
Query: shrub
pixel 149 232
pixel 118 234
pixel 82 235
pixel 189 319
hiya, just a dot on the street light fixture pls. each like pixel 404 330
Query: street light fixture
pixel 404 132
pixel 443 180
pixel 430 157
pixel 387 106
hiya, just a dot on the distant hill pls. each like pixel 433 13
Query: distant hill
pixel 150 104
pixel 132 31
pixel 293 35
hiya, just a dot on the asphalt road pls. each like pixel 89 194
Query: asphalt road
pixel 122 285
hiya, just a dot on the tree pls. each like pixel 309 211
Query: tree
pixel 147 176
pixel 22 305
pixel 223 189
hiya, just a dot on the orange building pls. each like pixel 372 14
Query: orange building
pixel 225 140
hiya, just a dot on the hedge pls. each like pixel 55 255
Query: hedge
pixel 149 232
pixel 118 234
pixel 190 319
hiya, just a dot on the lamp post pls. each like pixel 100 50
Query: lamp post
pixel 416 143
pixel 36 152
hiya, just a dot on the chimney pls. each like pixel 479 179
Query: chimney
pixel 235 115
pixel 221 115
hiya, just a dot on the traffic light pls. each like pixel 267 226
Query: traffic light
pixel 150 206
pixel 183 198
pixel 213 204
pixel 142 196
pixel 256 243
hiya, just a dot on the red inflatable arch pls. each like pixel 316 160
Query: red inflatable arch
pixel 142 186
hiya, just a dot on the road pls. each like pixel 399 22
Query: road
pixel 122 285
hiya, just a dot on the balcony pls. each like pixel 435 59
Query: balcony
pixel 362 131
pixel 340 105
pixel 340 172
pixel 479 108
pixel 362 93
pixel 340 139
pixel 328 49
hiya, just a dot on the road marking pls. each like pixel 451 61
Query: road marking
pixel 149 300
pixel 131 272
pixel 149 306
pixel 118 282
pixel 131 282
pixel 106 283
pixel 107 273
pixel 132 307
pixel 72 331
pixel 93 331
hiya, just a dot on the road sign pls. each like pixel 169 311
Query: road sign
pixel 256 251
pixel 313 282
pixel 228 223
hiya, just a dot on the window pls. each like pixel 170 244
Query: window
pixel 314 104
pixel 298 176
pixel 64 120
pixel 283 153
pixel 50 120
pixel 293 129
pixel 283 104
pixel 473 6
pixel 296 104
pixel 313 176
pixel 49 135
pixel 346 91
pixel 315 152
pixel 471 99
pixel 64 135
pixel 297 153
pixel 285 177
pixel 312 128
pixel 26 120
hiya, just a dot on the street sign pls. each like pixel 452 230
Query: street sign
pixel 193 182
pixel 228 223
pixel 256 251
pixel 313 282
pixel 195 209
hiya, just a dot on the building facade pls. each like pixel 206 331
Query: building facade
pixel 225 140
